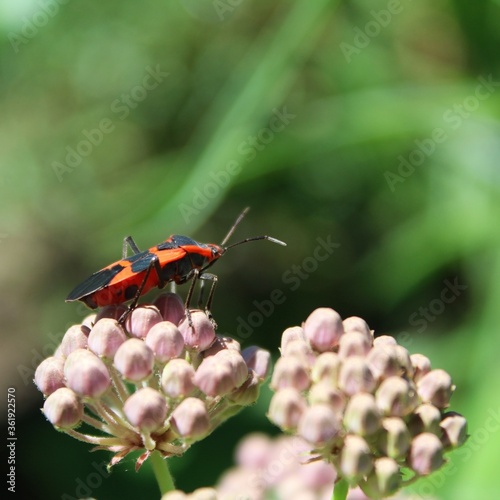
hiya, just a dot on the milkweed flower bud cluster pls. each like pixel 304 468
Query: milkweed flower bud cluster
pixel 364 404
pixel 161 383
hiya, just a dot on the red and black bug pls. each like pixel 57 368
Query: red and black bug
pixel 178 259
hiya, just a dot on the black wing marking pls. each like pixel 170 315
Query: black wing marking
pixel 95 282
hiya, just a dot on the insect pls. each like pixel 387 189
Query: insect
pixel 178 259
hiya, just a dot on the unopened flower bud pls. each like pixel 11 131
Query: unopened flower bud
pixel 326 367
pixel 106 337
pixel 454 428
pixel 86 374
pixel 396 397
pixel 204 494
pixel 63 408
pixel 323 392
pixel 171 307
pixel 357 324
pixel 323 328
pixel 354 344
pixel 200 335
pixel 222 343
pixel 112 312
pixel 254 451
pixel 362 415
pixel 134 360
pixel 404 360
pixel 426 454
pixel 49 375
pixel 258 360
pixel 190 419
pixel 248 392
pixel 290 372
pixel 383 361
pixel 174 495
pixel 384 340
pixel 177 378
pixel 319 425
pixel 76 337
pixel 384 480
pixel 300 349
pixel 141 320
pixel 395 439
pixel 222 373
pixel 286 408
pixel 291 334
pixel 165 340
pixel 355 376
pixel 146 409
pixel 89 321
pixel 421 366
pixel 425 418
pixel 436 387
pixel 356 459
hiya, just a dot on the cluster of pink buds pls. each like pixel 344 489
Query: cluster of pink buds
pixel 364 404
pixel 161 383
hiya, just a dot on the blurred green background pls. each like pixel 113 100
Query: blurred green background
pixel 372 126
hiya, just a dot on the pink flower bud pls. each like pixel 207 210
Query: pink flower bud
pixel 436 388
pixel 396 397
pixel 253 451
pixel 201 335
pixel 326 367
pixel 362 415
pixel 454 428
pixel 356 324
pixel 106 337
pixel 165 340
pixel 141 320
pixel 171 307
pixel 355 460
pixel 425 418
pixel 222 343
pixel 319 425
pixel 86 374
pixel 384 480
pixel 404 360
pixel 113 312
pixel 355 376
pixel 354 344
pixel 324 393
pixel 395 439
pixel 177 378
pixel 290 372
pixel 89 321
pixel 222 373
pixel 286 408
pixel 384 340
pixel 258 360
pixel 421 366
pixel 134 360
pixel 75 338
pixel 49 375
pixel 146 409
pixel 190 419
pixel 291 334
pixel 323 329
pixel 247 393
pixel 63 408
pixel 383 361
pixel 426 454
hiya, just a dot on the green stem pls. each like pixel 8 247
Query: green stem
pixel 340 490
pixel 162 473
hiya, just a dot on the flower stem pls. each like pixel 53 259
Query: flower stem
pixel 162 473
pixel 340 490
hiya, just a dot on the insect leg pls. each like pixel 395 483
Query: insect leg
pixel 208 306
pixel 131 243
